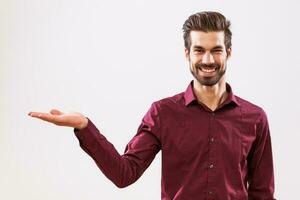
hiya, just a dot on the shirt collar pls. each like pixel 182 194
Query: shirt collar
pixel 189 95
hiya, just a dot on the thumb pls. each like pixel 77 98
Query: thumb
pixel 56 112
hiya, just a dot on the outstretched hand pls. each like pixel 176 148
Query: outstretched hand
pixel 75 120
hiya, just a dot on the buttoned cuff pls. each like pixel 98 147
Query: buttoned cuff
pixel 88 134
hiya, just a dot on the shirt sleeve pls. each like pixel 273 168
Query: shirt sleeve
pixel 261 172
pixel 125 169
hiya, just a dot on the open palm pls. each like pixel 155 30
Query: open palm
pixel 75 120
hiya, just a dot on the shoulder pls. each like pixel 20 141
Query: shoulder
pixel 169 103
pixel 251 110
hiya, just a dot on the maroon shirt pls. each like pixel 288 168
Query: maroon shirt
pixel 206 155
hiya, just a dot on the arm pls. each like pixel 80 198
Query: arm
pixel 261 172
pixel 122 170
pixel 125 169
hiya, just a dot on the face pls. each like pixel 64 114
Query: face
pixel 207 56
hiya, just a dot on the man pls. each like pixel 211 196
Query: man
pixel 215 145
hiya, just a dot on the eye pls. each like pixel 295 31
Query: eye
pixel 199 50
pixel 217 50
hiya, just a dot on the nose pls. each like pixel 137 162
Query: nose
pixel 207 58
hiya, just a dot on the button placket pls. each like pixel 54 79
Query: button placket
pixel 212 179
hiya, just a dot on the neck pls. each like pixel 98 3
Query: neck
pixel 211 96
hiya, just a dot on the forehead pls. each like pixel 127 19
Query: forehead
pixel 207 39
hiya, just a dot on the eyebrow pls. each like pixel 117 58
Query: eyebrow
pixel 200 47
pixel 218 47
pixel 197 47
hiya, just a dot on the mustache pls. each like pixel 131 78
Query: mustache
pixel 212 65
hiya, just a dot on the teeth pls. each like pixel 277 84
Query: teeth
pixel 208 70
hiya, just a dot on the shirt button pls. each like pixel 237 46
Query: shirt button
pixel 212 139
pixel 211 166
pixel 210 192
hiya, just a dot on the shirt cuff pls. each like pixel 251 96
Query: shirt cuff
pixel 89 133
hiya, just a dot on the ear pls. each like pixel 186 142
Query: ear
pixel 228 52
pixel 187 54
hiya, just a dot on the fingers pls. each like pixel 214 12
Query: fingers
pixel 35 114
pixel 46 117
pixel 40 114
pixel 56 112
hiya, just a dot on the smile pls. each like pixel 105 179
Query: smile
pixel 207 70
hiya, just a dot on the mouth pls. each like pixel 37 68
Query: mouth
pixel 208 70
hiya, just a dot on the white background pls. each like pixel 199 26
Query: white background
pixel 110 60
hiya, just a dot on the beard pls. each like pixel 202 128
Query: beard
pixel 208 80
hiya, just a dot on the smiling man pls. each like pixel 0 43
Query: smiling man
pixel 215 145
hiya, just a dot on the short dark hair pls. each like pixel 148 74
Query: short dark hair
pixel 207 21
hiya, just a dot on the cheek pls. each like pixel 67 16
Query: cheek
pixel 195 59
pixel 220 60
